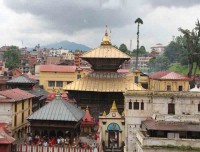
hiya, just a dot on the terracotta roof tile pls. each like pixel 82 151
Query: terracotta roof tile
pixel 16 95
pixel 165 75
pixel 4 137
pixel 57 68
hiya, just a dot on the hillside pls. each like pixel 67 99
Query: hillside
pixel 67 45
pixel 176 67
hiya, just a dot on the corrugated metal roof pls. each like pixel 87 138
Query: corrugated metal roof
pixel 58 110
pixel 38 92
pixel 107 51
pixel 16 94
pixel 57 68
pixel 22 79
pixel 103 82
pixel 151 124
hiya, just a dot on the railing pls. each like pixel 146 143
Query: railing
pixel 34 148
pixel 156 141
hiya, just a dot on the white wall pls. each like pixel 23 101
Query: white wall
pixel 6 112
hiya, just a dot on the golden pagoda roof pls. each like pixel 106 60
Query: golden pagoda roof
pixel 106 50
pixel 103 82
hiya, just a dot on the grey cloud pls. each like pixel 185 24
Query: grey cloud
pixel 175 3
pixel 70 16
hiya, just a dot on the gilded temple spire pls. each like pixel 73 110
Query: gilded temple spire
pixel 106 39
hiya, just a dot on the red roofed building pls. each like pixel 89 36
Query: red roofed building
pixel 15 107
pixel 54 77
pixel 87 123
pixel 168 81
pixel 5 139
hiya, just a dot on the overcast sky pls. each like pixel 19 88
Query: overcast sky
pixel 83 21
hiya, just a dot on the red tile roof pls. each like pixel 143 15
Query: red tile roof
pixel 165 75
pixel 87 119
pixel 57 68
pixel 4 137
pixel 13 95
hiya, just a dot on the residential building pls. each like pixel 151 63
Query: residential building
pixel 54 77
pixel 5 139
pixel 15 107
pixel 159 48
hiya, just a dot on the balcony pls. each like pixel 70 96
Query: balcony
pixel 146 141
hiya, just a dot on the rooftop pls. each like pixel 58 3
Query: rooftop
pixel 152 124
pixel 57 68
pixel 103 82
pixel 58 110
pixel 165 75
pixel 22 79
pixel 13 95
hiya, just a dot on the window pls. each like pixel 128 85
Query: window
pixel 168 88
pixel 171 108
pixel 180 88
pixel 15 107
pixel 136 79
pixel 15 121
pixel 29 112
pixel 59 84
pixel 23 105
pixel 51 84
pixel 142 105
pixel 199 107
pixel 22 117
pixel 130 105
pixel 78 76
pixel 68 82
pixel 136 105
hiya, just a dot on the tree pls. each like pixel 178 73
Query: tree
pixel 138 21
pixel 160 63
pixel 141 51
pixel 123 48
pixel 192 46
pixel 11 56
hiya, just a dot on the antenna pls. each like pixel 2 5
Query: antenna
pixel 110 34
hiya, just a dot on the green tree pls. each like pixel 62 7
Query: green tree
pixel 11 56
pixel 192 46
pixel 123 48
pixel 160 63
pixel 141 51
pixel 138 21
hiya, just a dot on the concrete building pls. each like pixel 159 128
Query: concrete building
pixel 15 107
pixel 167 103
pixel 159 48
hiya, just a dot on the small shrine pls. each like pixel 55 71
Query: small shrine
pixel 88 123
pixel 112 128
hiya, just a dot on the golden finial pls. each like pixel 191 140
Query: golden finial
pixel 104 113
pixel 106 39
pixel 114 107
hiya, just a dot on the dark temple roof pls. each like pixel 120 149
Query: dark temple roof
pixel 22 79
